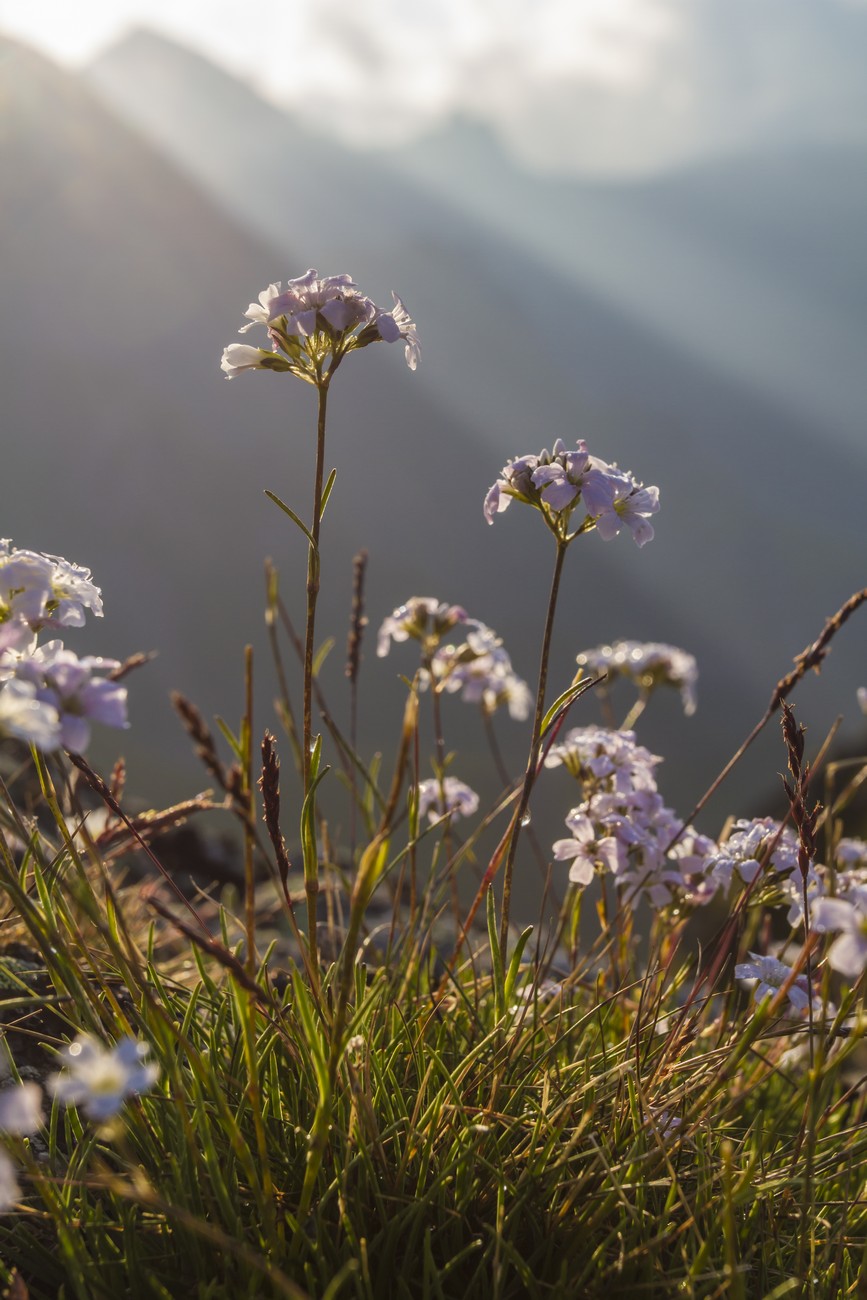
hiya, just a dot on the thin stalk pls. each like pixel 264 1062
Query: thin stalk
pixel 487 720
pixel 313 579
pixel 535 745
pixel 440 742
pixel 249 843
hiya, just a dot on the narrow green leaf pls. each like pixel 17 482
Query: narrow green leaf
pixel 322 654
pixel 514 966
pixel 496 956
pixel 563 701
pixel 231 739
pixel 326 491
pixel 292 515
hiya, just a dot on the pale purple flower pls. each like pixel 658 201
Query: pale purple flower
pixel 26 717
pixel 746 848
pixel 793 890
pixel 557 482
pixel 848 952
pixel 71 686
pixel 648 664
pixel 851 852
pixel 21 1109
pixel 515 483
pixel 398 324
pixel 310 303
pixel 482 671
pixel 630 507
pixel 861 694
pixel 314 317
pixel 460 800
pixel 608 759
pixel 572 474
pixel 15 634
pixel 99 1079
pixel 586 851
pixel 768 975
pixel 422 618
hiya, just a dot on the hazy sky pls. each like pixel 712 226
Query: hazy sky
pixel 575 84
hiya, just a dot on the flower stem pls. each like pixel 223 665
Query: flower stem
pixel 311 883
pixel 535 745
pixel 313 579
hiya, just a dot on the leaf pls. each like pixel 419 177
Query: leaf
pixel 326 492
pixel 322 654
pixel 496 957
pixel 229 736
pixel 514 965
pixel 563 701
pixel 292 515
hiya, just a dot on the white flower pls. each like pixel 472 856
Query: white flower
pixel 70 686
pixel 460 800
pixel 99 1079
pixel 10 1192
pixel 25 585
pixel 27 718
pixel 44 590
pixel 238 357
pixel 848 952
pixel 21 1109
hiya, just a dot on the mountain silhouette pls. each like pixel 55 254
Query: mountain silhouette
pixel 126 269
pixel 754 546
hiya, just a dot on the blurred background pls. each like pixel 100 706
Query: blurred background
pixel 639 222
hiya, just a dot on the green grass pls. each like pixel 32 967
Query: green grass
pixel 460 1142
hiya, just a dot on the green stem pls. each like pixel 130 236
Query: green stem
pixel 535 745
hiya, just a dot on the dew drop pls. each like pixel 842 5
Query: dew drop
pixel 526 819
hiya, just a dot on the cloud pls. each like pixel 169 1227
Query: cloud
pixel 613 86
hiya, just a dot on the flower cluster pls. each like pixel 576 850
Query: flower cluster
pixel 48 695
pixel 648 664
pixel 751 845
pixel 555 483
pixel 477 665
pixel 623 827
pixel 480 668
pixel 424 619
pixel 460 800
pixel 316 317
